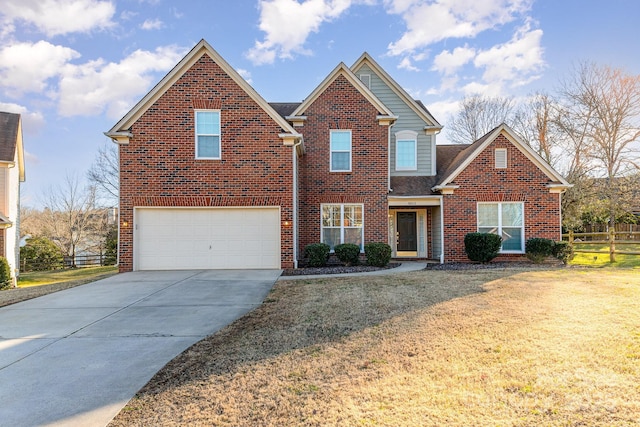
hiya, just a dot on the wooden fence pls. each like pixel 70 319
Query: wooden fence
pixel 618 242
pixel 66 262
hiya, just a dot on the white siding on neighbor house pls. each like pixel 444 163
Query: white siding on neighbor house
pixel 4 190
pixel 407 120
pixel 11 200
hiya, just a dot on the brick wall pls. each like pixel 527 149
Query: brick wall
pixel 158 166
pixel 522 181
pixel 341 106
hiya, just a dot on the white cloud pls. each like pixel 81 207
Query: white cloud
pixel 152 24
pixel 245 74
pixel 55 17
pixel 448 63
pixel 407 64
pixel 431 21
pixel 517 62
pixel 27 67
pixel 32 121
pixel 287 25
pixel 97 86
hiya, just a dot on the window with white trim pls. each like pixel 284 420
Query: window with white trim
pixel 406 150
pixel 207 134
pixel 501 158
pixel 340 150
pixel 342 223
pixel 506 219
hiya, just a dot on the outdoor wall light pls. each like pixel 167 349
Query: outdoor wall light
pixel 125 223
pixel 286 223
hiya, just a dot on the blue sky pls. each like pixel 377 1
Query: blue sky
pixel 73 68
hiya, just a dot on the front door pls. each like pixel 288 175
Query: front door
pixel 407 234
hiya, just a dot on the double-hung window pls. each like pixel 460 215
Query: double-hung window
pixel 340 150
pixel 342 224
pixel 207 134
pixel 406 150
pixel 506 219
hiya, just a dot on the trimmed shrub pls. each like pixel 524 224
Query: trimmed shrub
pixel 378 254
pixel 317 254
pixel 5 274
pixel 537 249
pixel 40 254
pixel 348 253
pixel 482 247
pixel 563 251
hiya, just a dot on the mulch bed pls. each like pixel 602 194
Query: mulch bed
pixel 335 269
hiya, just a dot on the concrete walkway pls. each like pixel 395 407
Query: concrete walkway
pixel 406 266
pixel 76 357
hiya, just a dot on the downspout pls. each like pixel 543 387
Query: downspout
pixel 295 204
pixel 389 159
pixel 442 230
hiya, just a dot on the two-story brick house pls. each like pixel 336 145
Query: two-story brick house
pixel 213 176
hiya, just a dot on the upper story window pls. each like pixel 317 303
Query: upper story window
pixel 501 158
pixel 340 151
pixel 207 134
pixel 406 150
pixel 505 219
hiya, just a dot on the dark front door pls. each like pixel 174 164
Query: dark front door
pixel 407 236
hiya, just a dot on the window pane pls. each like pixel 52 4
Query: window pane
pixel 406 154
pixel 340 141
pixel 353 235
pixel 511 239
pixel 209 146
pixel 353 216
pixel 512 214
pixel 493 230
pixel 207 123
pixel 331 236
pixel 340 161
pixel 487 215
pixel 331 216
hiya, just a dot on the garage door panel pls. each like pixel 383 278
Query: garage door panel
pixel 188 238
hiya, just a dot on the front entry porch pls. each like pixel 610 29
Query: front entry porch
pixel 415 231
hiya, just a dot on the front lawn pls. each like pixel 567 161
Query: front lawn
pixel 522 347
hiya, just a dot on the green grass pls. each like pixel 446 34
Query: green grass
pixel 38 278
pixel 600 256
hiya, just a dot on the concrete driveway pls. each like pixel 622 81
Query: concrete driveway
pixel 76 357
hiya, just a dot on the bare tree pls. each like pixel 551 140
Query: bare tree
pixel 477 116
pixel 69 215
pixel 536 121
pixel 602 108
pixel 104 173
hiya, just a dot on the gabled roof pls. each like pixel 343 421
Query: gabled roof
pixel 11 141
pixel 470 152
pixel 121 129
pixel 416 106
pixel 343 70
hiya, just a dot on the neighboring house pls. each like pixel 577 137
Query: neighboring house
pixel 11 175
pixel 213 176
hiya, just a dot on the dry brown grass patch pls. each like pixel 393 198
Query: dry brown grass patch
pixel 557 347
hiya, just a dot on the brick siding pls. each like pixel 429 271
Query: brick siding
pixel 522 181
pixel 158 166
pixel 341 106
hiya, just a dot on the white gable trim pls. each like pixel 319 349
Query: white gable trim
pixel 119 131
pixel 385 116
pixel 386 78
pixel 517 142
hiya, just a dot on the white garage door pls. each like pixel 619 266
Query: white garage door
pixel 192 238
